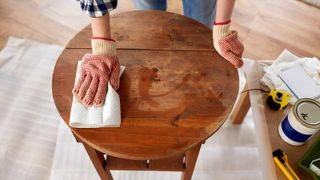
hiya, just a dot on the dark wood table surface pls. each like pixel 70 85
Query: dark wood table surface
pixel 176 90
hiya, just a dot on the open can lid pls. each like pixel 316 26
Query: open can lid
pixel 307 111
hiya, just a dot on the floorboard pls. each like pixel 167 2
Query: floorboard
pixel 266 27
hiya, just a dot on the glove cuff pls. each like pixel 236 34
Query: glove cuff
pixel 103 46
pixel 220 30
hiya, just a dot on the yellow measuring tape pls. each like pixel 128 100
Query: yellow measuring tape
pixel 278 99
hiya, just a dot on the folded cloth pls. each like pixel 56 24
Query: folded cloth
pixel 287 60
pixel 107 115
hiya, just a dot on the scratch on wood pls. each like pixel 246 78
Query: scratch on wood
pixel 175 119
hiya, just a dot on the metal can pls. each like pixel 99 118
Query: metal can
pixel 302 121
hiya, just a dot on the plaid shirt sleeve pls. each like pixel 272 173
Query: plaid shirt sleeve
pixel 97 8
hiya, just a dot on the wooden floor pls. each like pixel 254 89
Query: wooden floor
pixel 266 27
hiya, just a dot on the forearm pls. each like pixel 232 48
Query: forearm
pixel 101 42
pixel 224 10
pixel 101 26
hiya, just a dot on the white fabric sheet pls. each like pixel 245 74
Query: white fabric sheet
pixel 254 72
pixel 285 61
pixel 107 115
pixel 28 118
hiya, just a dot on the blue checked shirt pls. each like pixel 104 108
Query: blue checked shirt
pixel 97 8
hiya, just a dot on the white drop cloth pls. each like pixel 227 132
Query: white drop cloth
pixel 254 72
pixel 285 61
pixel 107 115
pixel 28 118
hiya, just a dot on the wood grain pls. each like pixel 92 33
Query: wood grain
pixel 29 19
pixel 173 163
pixel 170 99
pixel 167 31
pixel 155 100
pixel 114 163
pixel 266 27
pixel 98 160
pixel 190 162
pixel 241 107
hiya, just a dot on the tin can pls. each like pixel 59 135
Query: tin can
pixel 301 123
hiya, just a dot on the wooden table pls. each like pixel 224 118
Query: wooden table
pixel 175 93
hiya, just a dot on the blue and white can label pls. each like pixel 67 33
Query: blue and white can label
pixel 302 121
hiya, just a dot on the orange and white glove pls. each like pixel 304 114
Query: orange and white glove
pixel 227 43
pixel 96 70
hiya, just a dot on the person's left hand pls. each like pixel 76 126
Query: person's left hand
pixel 227 43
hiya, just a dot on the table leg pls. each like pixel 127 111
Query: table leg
pixel 191 157
pixel 98 161
pixel 78 140
pixel 241 107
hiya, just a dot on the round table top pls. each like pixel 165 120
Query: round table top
pixel 176 90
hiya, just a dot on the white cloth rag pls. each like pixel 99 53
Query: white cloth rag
pixel 107 115
pixel 285 61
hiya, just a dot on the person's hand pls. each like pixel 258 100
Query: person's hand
pixel 227 44
pixel 96 70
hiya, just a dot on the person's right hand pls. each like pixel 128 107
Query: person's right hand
pixel 96 70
